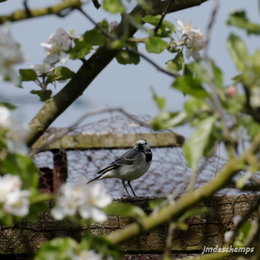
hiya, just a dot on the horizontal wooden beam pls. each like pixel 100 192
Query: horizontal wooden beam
pixel 107 141
pixel 206 230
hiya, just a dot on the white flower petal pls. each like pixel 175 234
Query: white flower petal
pixel 17 203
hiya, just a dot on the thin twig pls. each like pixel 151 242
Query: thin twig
pixel 96 3
pixel 106 33
pixel 158 67
pixel 213 85
pixel 168 245
pixel 27 9
pixel 165 12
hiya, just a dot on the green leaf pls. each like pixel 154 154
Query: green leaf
pixel 23 166
pixel 114 6
pixel 58 249
pixel 8 105
pixel 168 120
pixel 240 20
pixel 195 105
pixel 94 37
pixel 190 86
pixel 127 57
pixel 242 234
pixel 177 63
pixel 166 27
pixel 218 75
pixel 28 74
pixel 152 19
pixel 159 101
pixel 155 45
pixel 198 70
pixel 252 127
pixel 80 49
pixel 43 94
pixel 238 51
pixel 197 144
pixel 60 73
pixel 124 210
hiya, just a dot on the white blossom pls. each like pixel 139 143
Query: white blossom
pixel 17 131
pixel 15 201
pixel 10 55
pixel 43 68
pixel 228 236
pixel 192 39
pixel 57 47
pixel 5 117
pixel 255 97
pixel 86 200
pixel 194 43
pixel 236 219
pixel 8 184
pixel 96 199
pixel 67 202
pixel 183 28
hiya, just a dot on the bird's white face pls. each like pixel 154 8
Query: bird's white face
pixel 141 145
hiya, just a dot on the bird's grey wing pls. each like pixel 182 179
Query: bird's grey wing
pixel 127 158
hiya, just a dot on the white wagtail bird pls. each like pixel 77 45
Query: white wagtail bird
pixel 131 165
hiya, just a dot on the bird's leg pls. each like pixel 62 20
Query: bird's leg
pixel 123 182
pixel 131 188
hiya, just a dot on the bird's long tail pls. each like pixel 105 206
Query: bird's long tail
pixel 95 179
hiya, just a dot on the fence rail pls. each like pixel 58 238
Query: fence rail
pixel 107 141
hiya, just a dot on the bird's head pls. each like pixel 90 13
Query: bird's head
pixel 141 145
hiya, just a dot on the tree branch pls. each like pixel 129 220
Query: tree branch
pixel 20 15
pixel 88 72
pixel 158 7
pixel 175 210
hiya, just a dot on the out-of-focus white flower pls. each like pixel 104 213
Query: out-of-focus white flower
pixel 44 68
pixel 194 43
pixel 96 199
pixel 183 28
pixel 255 97
pixel 192 39
pixel 10 54
pixel 88 201
pixel 57 47
pixel 17 131
pixel 228 236
pixel 68 201
pixel 15 201
pixel 87 255
pixel 5 117
pixel 73 34
pixel 236 219
pixel 8 184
